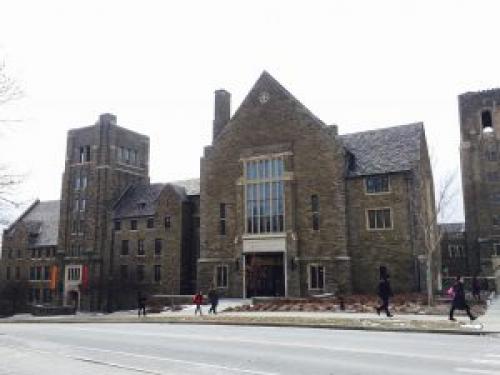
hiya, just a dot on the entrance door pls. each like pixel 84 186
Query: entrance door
pixel 74 299
pixel 264 274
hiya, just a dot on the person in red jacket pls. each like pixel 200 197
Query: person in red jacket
pixel 198 301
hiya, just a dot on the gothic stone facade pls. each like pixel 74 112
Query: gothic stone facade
pixel 479 156
pixel 107 167
pixel 289 207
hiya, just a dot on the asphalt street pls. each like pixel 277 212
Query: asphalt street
pixel 203 349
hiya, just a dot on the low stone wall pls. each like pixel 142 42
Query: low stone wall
pixel 41 310
pixel 172 299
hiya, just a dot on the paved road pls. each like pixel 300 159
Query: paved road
pixel 96 349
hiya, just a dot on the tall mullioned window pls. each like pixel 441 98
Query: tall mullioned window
pixel 264 192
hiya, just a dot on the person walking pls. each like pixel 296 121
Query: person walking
pixel 459 301
pixel 213 298
pixel 476 289
pixel 198 301
pixel 384 292
pixel 141 302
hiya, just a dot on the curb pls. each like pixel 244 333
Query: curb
pixel 264 324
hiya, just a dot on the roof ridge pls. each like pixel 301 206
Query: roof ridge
pixel 419 123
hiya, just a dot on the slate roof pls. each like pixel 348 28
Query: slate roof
pixel 42 222
pixel 452 227
pixel 138 200
pixel 386 150
pixel 141 199
pixel 192 186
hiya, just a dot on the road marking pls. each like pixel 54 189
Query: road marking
pixel 226 339
pixel 476 371
pixel 183 361
pixel 145 356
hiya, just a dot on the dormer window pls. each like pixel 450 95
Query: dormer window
pixel 486 121
pixel 141 205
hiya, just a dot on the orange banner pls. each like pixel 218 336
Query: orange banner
pixel 53 277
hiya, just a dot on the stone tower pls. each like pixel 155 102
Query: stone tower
pixel 101 161
pixel 480 158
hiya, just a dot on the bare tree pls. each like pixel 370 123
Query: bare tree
pixel 427 218
pixel 9 91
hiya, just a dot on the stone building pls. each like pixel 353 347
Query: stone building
pixel 29 250
pixel 289 207
pixel 106 200
pixel 480 158
pixel 284 206
pixel 454 249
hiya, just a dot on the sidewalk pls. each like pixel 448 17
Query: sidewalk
pixel 490 323
pixel 491 320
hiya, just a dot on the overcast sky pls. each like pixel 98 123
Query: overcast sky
pixel 155 64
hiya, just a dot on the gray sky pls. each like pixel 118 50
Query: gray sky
pixel 155 64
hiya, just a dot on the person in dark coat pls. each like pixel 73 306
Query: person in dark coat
pixel 141 302
pixel 459 301
pixel 384 292
pixel 198 301
pixel 213 298
pixel 476 289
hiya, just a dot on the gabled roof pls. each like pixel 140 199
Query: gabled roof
pixel 269 84
pixel 386 150
pixel 142 199
pixel 42 223
pixel 138 200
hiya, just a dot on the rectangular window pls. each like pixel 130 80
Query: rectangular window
pixel 33 254
pixel 140 247
pixel 315 211
pixel 126 155
pixel 83 182
pixel 377 184
pixel 7 273
pixel 46 273
pixel 167 222
pixel 124 272
pixel 83 203
pixel 151 222
pixel 18 273
pixel 32 273
pixel 81 228
pixel 158 246
pixel 222 219
pixel 133 157
pixel 379 219
pixel 39 253
pixel 133 224
pixel 124 247
pixel 84 154
pixel 221 276
pixel 77 182
pixel 491 155
pixel 73 273
pixel 139 272
pixel 157 273
pixel 39 273
pixel 496 249
pixel 264 195
pixel 316 276
pixel 118 225
pixel 76 205
pixel 87 153
pixel 18 254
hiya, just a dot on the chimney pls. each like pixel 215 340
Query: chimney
pixel 222 111
pixel 107 118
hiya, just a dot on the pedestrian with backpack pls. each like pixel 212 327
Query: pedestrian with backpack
pixel 213 298
pixel 384 292
pixel 459 302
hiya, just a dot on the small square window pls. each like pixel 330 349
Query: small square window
pixel 151 222
pixel 133 224
pixel 377 184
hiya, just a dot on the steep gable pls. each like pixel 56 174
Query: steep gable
pixel 265 93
